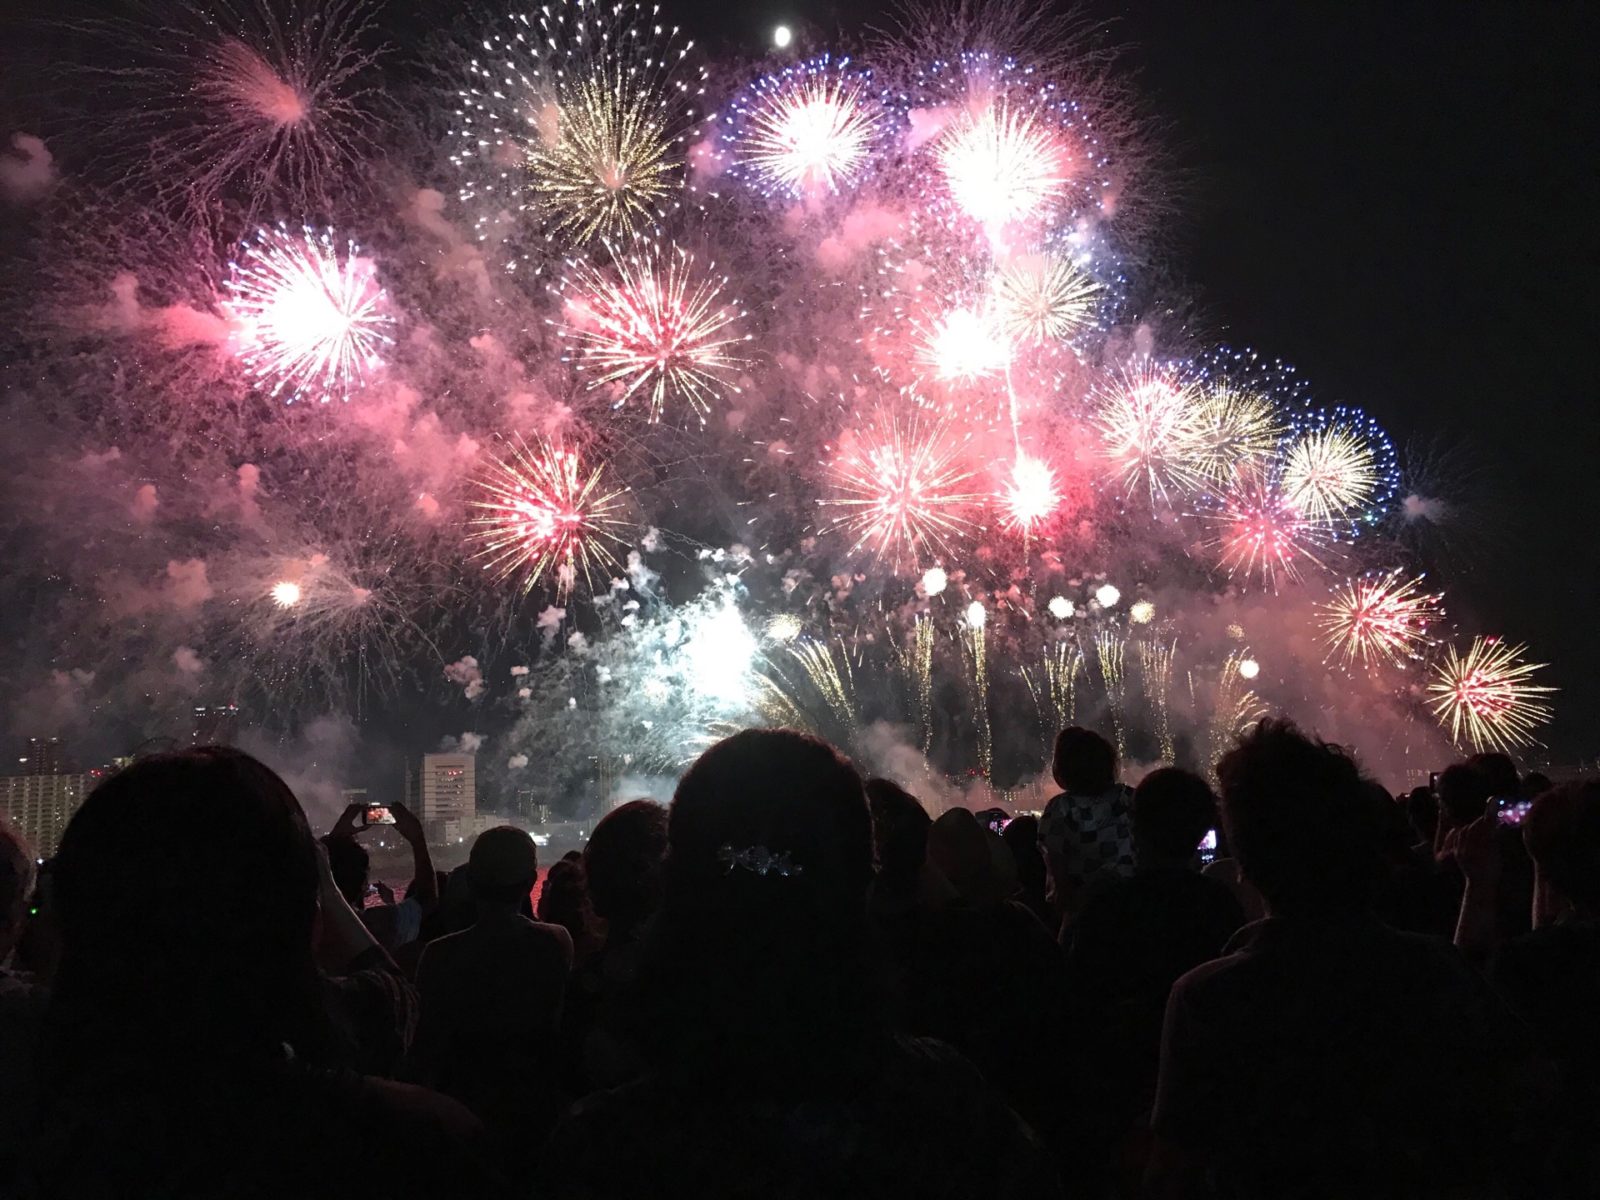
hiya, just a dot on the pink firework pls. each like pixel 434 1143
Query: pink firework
pixel 544 511
pixel 1486 698
pixel 1029 496
pixel 655 327
pixel 314 320
pixel 903 490
pixel 1264 535
pixel 1380 619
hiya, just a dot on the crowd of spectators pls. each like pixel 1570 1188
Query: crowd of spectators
pixel 793 982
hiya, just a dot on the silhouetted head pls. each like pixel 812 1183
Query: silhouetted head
pixel 758 973
pixel 16 884
pixel 975 861
pixel 1422 811
pixel 1498 771
pixel 1021 836
pixel 784 795
pixel 351 867
pixel 1562 833
pixel 1172 811
pixel 186 891
pixel 1300 821
pixel 899 833
pixel 1084 762
pixel 623 859
pixel 1463 791
pixel 564 901
pixel 502 867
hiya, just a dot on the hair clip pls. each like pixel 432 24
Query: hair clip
pixel 759 860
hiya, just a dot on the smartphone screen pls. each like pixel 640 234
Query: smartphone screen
pixel 377 814
pixel 1512 810
pixel 1208 846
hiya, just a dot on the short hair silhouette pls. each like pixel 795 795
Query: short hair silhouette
pixel 1084 763
pixel 1300 820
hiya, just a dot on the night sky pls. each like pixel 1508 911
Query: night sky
pixel 1401 200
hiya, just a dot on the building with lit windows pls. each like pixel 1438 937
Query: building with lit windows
pixel 43 756
pixel 39 806
pixel 446 788
pixel 215 725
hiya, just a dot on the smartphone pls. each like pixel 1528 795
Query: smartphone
pixel 994 819
pixel 377 814
pixel 1208 847
pixel 1512 809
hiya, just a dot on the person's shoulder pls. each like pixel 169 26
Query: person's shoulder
pixel 1232 965
pixel 543 938
pixel 542 931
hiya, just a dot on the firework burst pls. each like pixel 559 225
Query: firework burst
pixel 1235 430
pixel 655 327
pixel 1044 299
pixel 1029 495
pixel 1003 163
pixel 964 346
pixel 239 102
pixel 1148 428
pixel 577 117
pixel 542 511
pixel 903 490
pixel 1330 472
pixel 314 320
pixel 1263 534
pixel 807 130
pixel 1379 619
pixel 1485 699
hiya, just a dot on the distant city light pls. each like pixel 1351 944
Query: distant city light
pixel 782 36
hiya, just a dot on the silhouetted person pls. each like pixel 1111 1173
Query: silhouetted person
pixel 904 882
pixel 1085 832
pixel 622 861
pixel 22 998
pixel 1463 791
pixel 1326 1055
pixel 1133 939
pixel 1021 836
pixel 564 901
pixel 1551 976
pixel 771 1074
pixel 393 924
pixel 987 976
pixel 183 1034
pixel 492 996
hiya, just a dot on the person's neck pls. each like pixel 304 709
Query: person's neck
pixel 497 913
